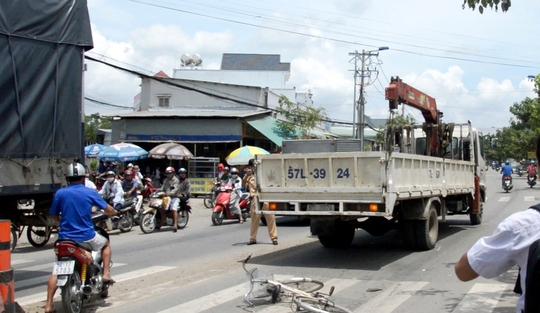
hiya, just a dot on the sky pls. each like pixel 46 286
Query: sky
pixel 475 65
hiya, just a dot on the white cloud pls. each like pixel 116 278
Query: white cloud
pixel 475 68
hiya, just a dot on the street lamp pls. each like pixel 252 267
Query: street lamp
pixel 365 55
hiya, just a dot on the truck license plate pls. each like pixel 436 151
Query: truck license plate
pixel 320 207
pixel 63 267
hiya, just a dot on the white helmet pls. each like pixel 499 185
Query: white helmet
pixel 75 170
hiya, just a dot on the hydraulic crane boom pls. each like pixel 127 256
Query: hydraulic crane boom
pixel 400 93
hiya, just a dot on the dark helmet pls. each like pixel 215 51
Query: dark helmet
pixel 182 171
pixel 507 162
pixel 75 170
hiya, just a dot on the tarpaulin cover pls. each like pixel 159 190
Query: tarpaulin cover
pixel 42 46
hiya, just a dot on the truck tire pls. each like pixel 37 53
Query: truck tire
pixel 427 231
pixel 341 237
pixel 476 219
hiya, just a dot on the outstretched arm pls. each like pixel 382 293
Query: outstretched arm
pixel 463 269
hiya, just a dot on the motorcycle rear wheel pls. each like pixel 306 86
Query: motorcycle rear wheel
pixel 217 218
pixel 72 296
pixel 148 223
pixel 125 223
pixel 183 219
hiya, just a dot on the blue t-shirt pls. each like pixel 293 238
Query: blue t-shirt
pixel 74 206
pixel 507 170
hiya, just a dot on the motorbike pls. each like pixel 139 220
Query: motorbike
pixel 519 172
pixel 123 220
pixel 156 216
pixel 148 189
pixel 531 180
pixel 79 270
pixel 221 210
pixel 210 199
pixel 507 185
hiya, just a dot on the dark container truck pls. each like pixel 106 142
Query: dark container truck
pixel 42 45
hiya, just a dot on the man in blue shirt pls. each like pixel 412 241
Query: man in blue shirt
pixel 72 206
pixel 506 171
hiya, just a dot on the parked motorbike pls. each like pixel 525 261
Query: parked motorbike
pixel 210 199
pixel 148 189
pixel 156 215
pixel 531 180
pixel 507 185
pixel 221 210
pixel 123 220
pixel 80 271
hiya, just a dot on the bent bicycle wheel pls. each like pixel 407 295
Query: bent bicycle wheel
pixel 302 283
pixel 317 305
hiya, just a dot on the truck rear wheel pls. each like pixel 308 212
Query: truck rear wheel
pixel 427 231
pixel 476 219
pixel 341 236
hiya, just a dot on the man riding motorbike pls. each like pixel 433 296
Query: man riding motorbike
pixel 171 187
pixel 112 191
pixel 72 206
pixel 506 171
pixel 531 170
pixel 185 187
pixel 129 185
pixel 236 194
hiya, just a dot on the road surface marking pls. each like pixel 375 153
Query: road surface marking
pixel 481 298
pixel 392 297
pixel 529 198
pixel 504 199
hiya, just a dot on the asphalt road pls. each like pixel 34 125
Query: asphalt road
pixel 197 269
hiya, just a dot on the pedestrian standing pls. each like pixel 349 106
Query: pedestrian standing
pixel 507 247
pixel 256 218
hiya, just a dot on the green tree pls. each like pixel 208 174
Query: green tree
pixel 91 125
pixel 395 120
pixel 504 5
pixel 300 119
pixel 520 137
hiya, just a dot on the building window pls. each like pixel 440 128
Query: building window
pixel 163 101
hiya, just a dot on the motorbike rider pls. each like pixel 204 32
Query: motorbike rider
pixel 185 187
pixel 531 170
pixel 236 182
pixel 112 191
pixel 72 207
pixel 506 171
pixel 171 187
pixel 129 185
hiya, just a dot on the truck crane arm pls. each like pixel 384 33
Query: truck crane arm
pixel 400 93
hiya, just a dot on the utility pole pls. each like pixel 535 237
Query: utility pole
pixel 365 72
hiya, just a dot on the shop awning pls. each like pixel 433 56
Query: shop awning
pixel 266 126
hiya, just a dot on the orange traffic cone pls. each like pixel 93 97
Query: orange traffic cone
pixel 7 288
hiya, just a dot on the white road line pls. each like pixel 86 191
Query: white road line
pixel 391 298
pixel 209 301
pixel 16 262
pixel 481 298
pixel 529 198
pixel 41 296
pixel 140 273
pixel 504 199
